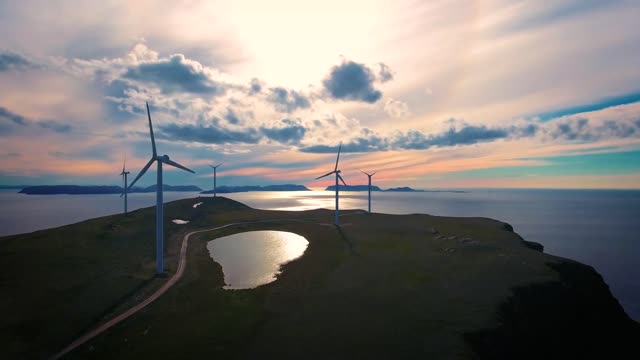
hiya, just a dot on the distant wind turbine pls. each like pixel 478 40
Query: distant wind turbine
pixel 159 203
pixel 337 172
pixel 214 178
pixel 369 175
pixel 124 174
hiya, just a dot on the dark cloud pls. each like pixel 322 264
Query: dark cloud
pixel 579 129
pixel 10 121
pixel 176 74
pixel 55 126
pixel 351 81
pixel 207 134
pixel 7 115
pixel 384 74
pixel 119 88
pixel 10 60
pixel 415 140
pixel 356 145
pixel 232 117
pixel 255 86
pixel 290 132
pixel 287 100
pixel 467 135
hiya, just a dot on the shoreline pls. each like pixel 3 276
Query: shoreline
pixel 486 245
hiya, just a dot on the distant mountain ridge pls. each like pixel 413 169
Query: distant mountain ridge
pixel 373 188
pixel 353 188
pixel 235 189
pixel 395 189
pixel 99 189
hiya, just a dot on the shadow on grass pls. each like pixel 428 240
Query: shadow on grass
pixel 576 317
pixel 346 240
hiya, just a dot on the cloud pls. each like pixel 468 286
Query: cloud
pixel 468 134
pixel 290 132
pixel 10 155
pixel 384 74
pixel 55 126
pixel 7 115
pixel 232 117
pixel 255 86
pixel 176 74
pixel 370 141
pixel 9 60
pixel 207 134
pixel 351 81
pixel 9 120
pixel 287 101
pixel 583 130
pixel 396 108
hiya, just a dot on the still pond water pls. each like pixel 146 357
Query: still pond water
pixel 254 258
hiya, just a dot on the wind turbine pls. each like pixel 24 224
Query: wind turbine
pixel 159 203
pixel 124 174
pixel 214 177
pixel 369 175
pixel 337 172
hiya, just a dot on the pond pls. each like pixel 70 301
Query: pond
pixel 254 258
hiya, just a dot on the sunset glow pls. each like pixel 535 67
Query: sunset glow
pixel 438 94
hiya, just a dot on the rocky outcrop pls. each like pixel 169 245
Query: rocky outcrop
pixel 573 318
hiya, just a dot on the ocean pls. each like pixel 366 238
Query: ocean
pixel 597 227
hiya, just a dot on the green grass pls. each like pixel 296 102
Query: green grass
pixel 382 286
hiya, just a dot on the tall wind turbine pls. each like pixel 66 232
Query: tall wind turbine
pixel 159 203
pixel 337 172
pixel 369 175
pixel 124 174
pixel 214 177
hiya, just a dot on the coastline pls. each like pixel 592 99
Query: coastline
pixel 335 257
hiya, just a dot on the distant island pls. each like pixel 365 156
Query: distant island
pixel 373 188
pixel 403 189
pixel 101 189
pixel 376 188
pixel 353 188
pixel 236 189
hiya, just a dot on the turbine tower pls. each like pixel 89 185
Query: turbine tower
pixel 214 178
pixel 369 175
pixel 124 174
pixel 337 172
pixel 159 203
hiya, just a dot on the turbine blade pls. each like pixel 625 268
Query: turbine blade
pixel 175 164
pixel 341 179
pixel 366 173
pixel 373 173
pixel 153 141
pixel 144 170
pixel 327 174
pixel 219 164
pixel 338 158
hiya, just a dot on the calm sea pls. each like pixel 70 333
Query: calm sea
pixel 597 227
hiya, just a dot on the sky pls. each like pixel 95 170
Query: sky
pixel 428 94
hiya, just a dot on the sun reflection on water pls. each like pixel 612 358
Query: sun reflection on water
pixel 254 258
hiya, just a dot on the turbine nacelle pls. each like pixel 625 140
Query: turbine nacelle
pixel 154 157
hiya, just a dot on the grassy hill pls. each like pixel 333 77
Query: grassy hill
pixel 381 286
